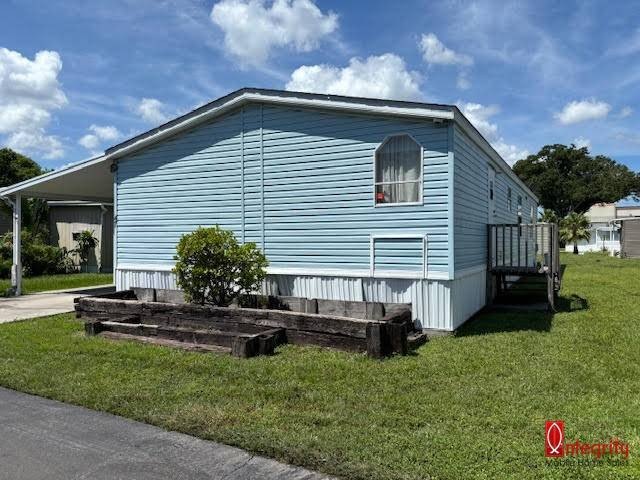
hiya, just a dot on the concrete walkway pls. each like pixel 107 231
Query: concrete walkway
pixel 45 303
pixel 43 439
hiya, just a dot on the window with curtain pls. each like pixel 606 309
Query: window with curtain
pixel 398 171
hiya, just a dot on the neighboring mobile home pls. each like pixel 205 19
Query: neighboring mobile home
pixel 606 224
pixel 349 198
pixel 67 219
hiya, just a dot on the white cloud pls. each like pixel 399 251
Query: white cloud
pixel 36 141
pixel 29 92
pixel 479 115
pixel 434 52
pixel 583 110
pixel 462 82
pixel 628 137
pixel 107 133
pixel 91 141
pixel 383 76
pixel 630 46
pixel 581 142
pixel 625 112
pixel 152 110
pixel 510 153
pixel 253 29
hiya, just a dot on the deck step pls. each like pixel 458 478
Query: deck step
pixel 166 342
pixel 177 334
pixel 416 339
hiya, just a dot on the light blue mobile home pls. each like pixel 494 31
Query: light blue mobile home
pixel 349 198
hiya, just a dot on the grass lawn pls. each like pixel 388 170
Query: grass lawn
pixel 59 282
pixel 471 405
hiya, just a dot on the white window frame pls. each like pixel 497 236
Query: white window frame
pixel 510 199
pixel 420 180
pixel 398 273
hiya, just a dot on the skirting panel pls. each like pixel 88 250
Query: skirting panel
pixel 125 279
pixel 436 304
pixel 468 296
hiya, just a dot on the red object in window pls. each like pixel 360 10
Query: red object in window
pixel 380 197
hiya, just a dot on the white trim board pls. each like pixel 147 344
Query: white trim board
pixel 307 272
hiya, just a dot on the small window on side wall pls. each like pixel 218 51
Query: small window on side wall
pixel 398 171
pixel 509 203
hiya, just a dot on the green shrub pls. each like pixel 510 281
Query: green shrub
pixel 213 268
pixel 38 257
pixel 86 242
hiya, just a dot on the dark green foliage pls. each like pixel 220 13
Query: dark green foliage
pixel 548 216
pixel 213 268
pixel 86 242
pixel 573 228
pixel 38 257
pixel 15 168
pixel 568 179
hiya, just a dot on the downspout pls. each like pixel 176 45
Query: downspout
pixel 103 211
pixel 114 171
pixel 16 267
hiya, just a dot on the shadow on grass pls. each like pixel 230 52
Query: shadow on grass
pixel 490 321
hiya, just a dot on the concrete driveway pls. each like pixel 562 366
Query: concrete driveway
pixel 43 439
pixel 45 303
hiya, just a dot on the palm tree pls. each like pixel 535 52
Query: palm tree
pixel 548 216
pixel 575 227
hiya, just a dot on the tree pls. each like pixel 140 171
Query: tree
pixel 548 216
pixel 86 243
pixel 15 168
pixel 568 179
pixel 573 228
pixel 213 268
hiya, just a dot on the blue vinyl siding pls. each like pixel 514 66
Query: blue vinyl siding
pixel 471 206
pixel 298 182
pixel 398 254
pixel 471 202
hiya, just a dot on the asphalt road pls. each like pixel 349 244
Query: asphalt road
pixel 44 439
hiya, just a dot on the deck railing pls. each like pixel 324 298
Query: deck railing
pixel 523 248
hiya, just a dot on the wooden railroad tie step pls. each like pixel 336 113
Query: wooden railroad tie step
pixel 239 344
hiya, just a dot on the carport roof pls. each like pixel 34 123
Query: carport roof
pixel 89 180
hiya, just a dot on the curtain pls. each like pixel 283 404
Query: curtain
pixel 398 171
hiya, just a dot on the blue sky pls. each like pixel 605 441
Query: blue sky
pixel 77 76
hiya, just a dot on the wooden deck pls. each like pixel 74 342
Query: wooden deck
pixel 523 250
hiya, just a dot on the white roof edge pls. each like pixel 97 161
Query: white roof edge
pixel 18 187
pixel 621 219
pixel 482 142
pixel 77 203
pixel 415 112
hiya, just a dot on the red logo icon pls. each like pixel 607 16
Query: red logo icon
pixel 554 438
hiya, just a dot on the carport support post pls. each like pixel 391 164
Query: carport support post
pixel 16 268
